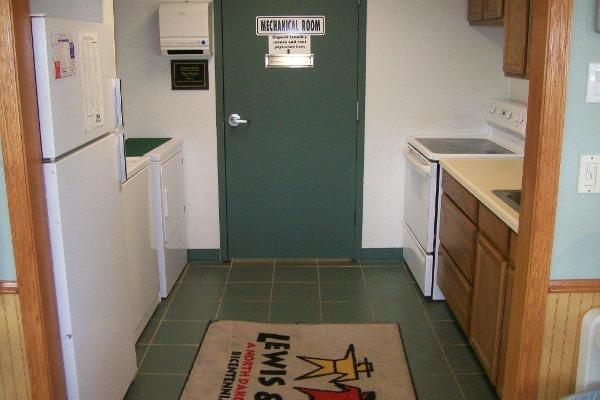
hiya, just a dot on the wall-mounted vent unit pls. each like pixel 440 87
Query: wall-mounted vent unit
pixel 185 29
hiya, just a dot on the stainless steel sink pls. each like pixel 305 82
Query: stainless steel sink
pixel 510 197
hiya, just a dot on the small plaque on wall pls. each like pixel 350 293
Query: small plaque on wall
pixel 189 74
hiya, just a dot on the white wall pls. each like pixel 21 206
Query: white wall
pixel 85 10
pixel 152 109
pixel 428 73
pixel 518 90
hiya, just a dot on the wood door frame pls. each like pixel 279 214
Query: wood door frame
pixel 360 126
pixel 19 130
pixel 25 189
pixel 548 74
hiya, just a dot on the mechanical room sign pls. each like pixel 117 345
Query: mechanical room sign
pixel 289 39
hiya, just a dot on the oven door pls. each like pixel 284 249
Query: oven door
pixel 420 198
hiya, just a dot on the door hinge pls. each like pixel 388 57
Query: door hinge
pixel 359 2
pixel 354 218
pixel 357 111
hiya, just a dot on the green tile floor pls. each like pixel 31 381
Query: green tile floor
pixel 442 364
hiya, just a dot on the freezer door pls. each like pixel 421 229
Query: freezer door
pixel 75 78
pixel 85 211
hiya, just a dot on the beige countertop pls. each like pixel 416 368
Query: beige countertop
pixel 482 175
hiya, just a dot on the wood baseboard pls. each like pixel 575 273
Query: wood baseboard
pixel 574 286
pixel 8 287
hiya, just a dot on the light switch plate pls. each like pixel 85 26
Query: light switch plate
pixel 597 15
pixel 593 84
pixel 589 180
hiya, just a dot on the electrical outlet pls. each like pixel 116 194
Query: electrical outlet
pixel 589 181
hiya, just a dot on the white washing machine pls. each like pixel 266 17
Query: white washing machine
pixel 169 212
pixel 140 238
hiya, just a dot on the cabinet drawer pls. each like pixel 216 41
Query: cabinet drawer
pixel 496 231
pixel 455 287
pixel 460 196
pixel 459 236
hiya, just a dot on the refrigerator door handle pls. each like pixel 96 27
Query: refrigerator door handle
pixel 118 103
pixel 121 155
pixel 166 203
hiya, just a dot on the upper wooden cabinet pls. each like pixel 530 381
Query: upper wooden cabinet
pixel 485 12
pixel 493 9
pixel 475 10
pixel 516 37
pixel 515 16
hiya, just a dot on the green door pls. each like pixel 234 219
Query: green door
pixel 291 171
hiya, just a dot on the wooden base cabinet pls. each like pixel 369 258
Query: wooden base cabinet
pixel 475 273
pixel 487 308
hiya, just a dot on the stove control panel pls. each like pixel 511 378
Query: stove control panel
pixel 508 115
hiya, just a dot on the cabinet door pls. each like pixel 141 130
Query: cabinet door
pixel 516 37
pixel 475 10
pixel 487 308
pixel 493 9
pixel 505 320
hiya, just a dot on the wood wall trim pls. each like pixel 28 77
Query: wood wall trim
pixel 14 379
pixel 7 287
pixel 560 354
pixel 547 92
pixel 574 286
pixel 19 132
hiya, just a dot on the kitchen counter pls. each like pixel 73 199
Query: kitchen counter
pixel 482 175
pixel 136 147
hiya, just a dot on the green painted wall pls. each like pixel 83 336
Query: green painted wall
pixel 576 253
pixel 7 262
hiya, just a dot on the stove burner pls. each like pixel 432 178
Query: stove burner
pixel 462 146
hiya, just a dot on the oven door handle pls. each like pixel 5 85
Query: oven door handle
pixel 425 169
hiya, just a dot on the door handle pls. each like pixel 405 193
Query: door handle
pixel 235 120
pixel 425 169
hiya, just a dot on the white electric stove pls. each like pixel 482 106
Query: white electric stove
pixel 505 137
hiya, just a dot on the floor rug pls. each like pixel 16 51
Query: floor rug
pixel 256 361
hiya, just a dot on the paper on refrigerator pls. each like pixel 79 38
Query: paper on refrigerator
pixel 63 55
pixel 92 80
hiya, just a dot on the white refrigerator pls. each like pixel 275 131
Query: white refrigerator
pixel 75 77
